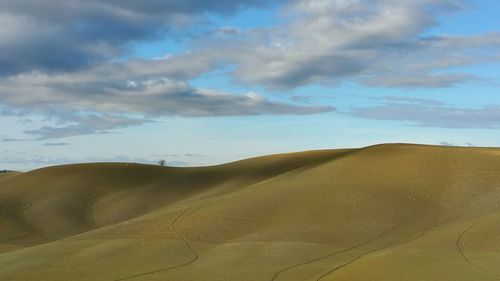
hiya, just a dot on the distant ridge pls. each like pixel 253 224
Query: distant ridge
pixel 6 171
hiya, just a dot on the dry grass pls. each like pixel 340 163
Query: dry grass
pixel 386 212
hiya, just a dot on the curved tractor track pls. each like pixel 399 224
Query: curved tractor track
pixel 180 237
pixel 459 243
pixel 196 254
pixel 389 230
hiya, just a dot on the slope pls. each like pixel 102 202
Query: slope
pixel 386 212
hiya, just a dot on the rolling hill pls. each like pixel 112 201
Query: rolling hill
pixel 385 212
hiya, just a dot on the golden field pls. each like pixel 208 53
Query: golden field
pixel 381 213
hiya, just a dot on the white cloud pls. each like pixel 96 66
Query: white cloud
pixel 69 74
pixel 378 43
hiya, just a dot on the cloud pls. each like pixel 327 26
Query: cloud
pixel 67 123
pixel 227 31
pixel 56 144
pixel 25 121
pixel 320 41
pixel 410 100
pixel 446 143
pixel 35 160
pixel 118 95
pixel 9 139
pixel 420 80
pixel 383 43
pixel 168 155
pixel 68 35
pixel 432 115
pixel 59 60
pixel 84 125
pixel 122 92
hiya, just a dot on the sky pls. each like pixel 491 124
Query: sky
pixel 198 82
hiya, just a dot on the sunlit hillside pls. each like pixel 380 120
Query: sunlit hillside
pixel 386 212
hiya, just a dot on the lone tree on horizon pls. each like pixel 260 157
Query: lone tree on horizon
pixel 162 163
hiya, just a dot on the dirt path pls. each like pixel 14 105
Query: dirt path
pixel 459 243
pixel 180 237
pixel 388 231
pixel 391 229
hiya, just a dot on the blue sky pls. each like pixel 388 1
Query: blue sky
pixel 199 83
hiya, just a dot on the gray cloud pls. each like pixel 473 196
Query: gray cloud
pixel 420 80
pixel 410 100
pixel 144 88
pixel 447 143
pixel 326 41
pixel 196 155
pixel 35 160
pixel 378 43
pixel 84 125
pixel 56 59
pixel 429 115
pixel 104 97
pixel 9 139
pixel 56 144
pixel 227 31
pixel 146 92
pixel 66 35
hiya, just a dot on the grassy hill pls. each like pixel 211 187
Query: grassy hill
pixel 385 212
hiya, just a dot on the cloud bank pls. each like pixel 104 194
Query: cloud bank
pixel 67 35
pixel 60 59
pixel 379 43
pixel 427 114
